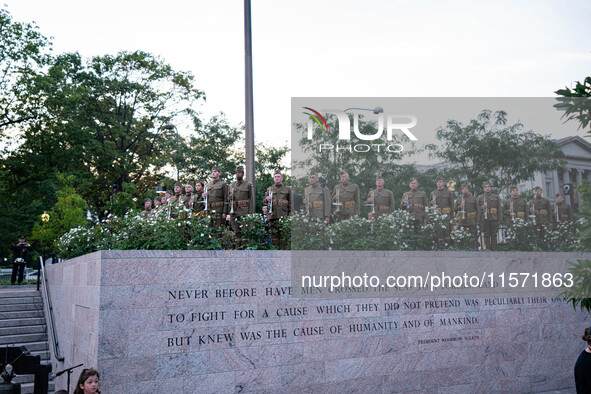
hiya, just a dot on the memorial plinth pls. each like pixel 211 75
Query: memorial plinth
pixel 226 321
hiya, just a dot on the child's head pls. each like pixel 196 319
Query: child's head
pixel 587 336
pixel 88 382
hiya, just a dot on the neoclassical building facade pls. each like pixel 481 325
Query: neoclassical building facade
pixel 577 151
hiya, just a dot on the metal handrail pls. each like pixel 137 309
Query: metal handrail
pixel 56 348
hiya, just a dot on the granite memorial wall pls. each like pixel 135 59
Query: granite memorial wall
pixel 228 321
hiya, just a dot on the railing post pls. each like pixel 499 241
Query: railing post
pixel 56 349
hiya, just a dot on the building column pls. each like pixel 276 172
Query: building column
pixel 565 180
pixel 579 181
pixel 556 183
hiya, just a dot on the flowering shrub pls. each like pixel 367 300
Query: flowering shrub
pixel 76 242
pixel 253 234
pixel 522 236
pixel 285 229
pixel 564 237
pixel 436 222
pixel 309 233
pixel 394 231
pixel 160 233
pixel 151 233
pixel 352 234
pixel 461 238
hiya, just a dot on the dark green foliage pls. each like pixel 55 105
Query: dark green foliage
pixel 362 168
pixel 576 103
pixel 23 50
pixel 100 122
pixel 487 149
pixel 159 233
pixel 577 106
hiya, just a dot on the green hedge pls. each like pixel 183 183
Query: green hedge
pixel 389 232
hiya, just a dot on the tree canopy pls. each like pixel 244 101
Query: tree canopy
pixel 362 167
pixel 576 103
pixel 22 51
pixel 489 149
pixel 97 123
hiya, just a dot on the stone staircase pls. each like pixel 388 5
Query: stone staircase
pixel 22 323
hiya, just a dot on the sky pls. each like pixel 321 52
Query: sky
pixel 321 48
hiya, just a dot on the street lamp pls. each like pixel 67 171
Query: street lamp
pixel 44 219
pixel 376 110
pixel 170 126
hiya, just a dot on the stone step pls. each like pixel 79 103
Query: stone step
pixel 21 307
pixel 44 354
pixel 4 295
pixel 19 322
pixel 23 339
pixel 9 331
pixel 7 293
pixel 27 388
pixel 34 346
pixel 20 300
pixel 22 323
pixel 26 378
pixel 21 314
pixel 18 287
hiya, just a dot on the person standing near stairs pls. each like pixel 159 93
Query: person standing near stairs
pixel 21 256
